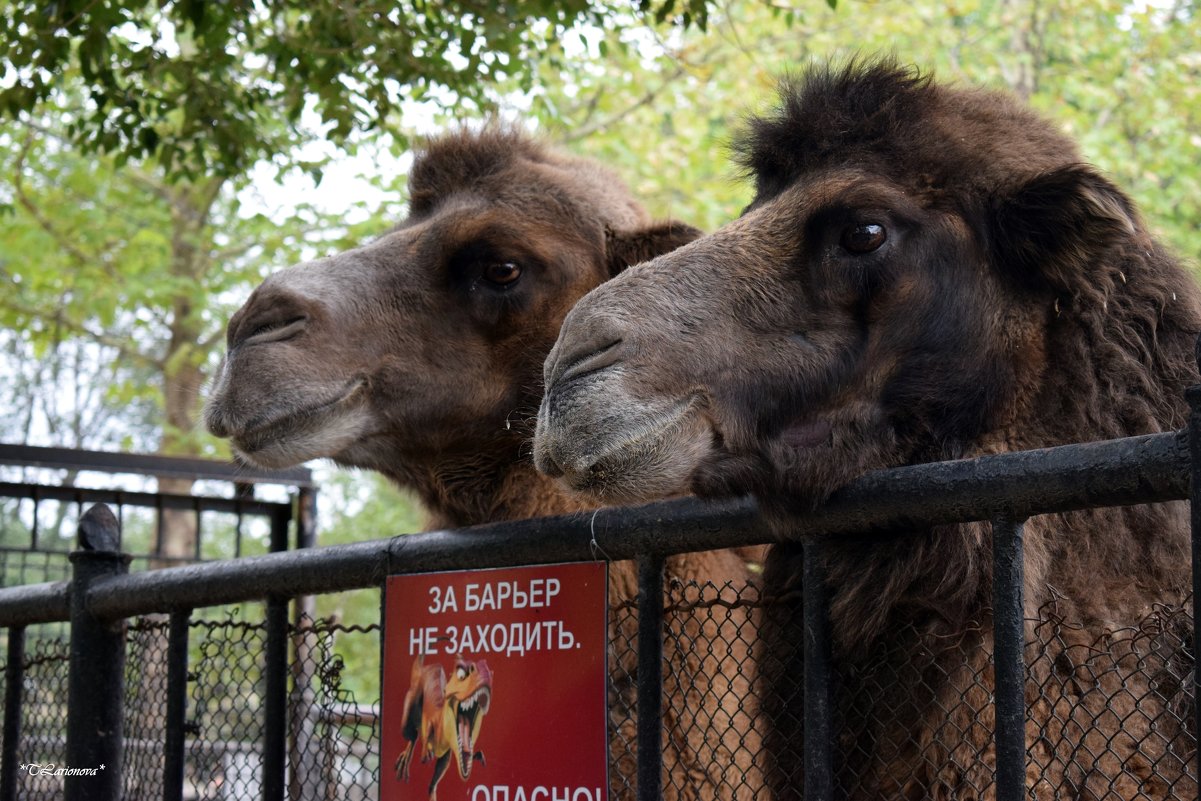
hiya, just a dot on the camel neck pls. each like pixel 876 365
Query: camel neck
pixel 460 495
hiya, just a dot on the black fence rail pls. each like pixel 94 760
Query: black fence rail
pixel 163 525
pixel 1157 717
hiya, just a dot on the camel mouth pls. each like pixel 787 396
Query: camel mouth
pixel 468 717
pixel 301 428
pixel 652 458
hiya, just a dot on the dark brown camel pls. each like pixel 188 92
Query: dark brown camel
pixel 925 273
pixel 420 356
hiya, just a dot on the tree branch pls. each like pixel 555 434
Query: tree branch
pixel 151 185
pixel 57 317
pixel 35 211
pixel 208 343
pixel 584 131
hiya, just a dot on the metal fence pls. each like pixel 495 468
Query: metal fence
pixel 170 511
pixel 242 701
pixel 216 515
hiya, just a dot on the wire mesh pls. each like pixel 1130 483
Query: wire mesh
pixel 1109 714
pixel 224 756
pixel 43 712
pixel 623 700
pixel 712 736
pixel 145 707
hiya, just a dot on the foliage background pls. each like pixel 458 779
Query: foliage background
pixel 153 167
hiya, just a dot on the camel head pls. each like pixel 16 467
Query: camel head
pixel 422 350
pixel 889 297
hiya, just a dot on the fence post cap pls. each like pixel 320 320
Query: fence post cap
pixel 99 529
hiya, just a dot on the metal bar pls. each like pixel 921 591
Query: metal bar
pixel 1120 472
pixel 275 706
pixel 1009 633
pixel 819 725
pixel 177 705
pixel 149 500
pixel 14 679
pixel 306 519
pixel 35 529
pixel 1143 469
pixel 96 682
pixel 303 741
pixel 367 564
pixel 159 525
pixel 281 520
pixel 197 513
pixel 650 677
pixel 26 604
pixel 242 492
pixel 275 713
pixel 120 501
pixel 150 465
pixel 238 535
pixel 1193 395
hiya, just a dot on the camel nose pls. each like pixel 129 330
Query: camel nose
pixel 269 316
pixel 545 462
pixel 585 346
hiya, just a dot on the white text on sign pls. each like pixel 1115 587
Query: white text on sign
pixel 495 638
pixel 535 594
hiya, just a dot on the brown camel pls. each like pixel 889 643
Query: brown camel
pixel 926 273
pixel 420 355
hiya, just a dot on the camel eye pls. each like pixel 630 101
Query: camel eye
pixel 861 239
pixel 502 273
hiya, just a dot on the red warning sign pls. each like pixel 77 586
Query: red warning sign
pixel 494 685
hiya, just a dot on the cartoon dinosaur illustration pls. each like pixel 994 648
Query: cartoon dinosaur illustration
pixel 444 717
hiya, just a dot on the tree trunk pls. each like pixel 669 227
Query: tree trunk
pixel 183 363
pixel 182 377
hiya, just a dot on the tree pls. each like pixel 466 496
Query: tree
pixel 663 107
pixel 160 111
pixel 201 86
pixel 118 282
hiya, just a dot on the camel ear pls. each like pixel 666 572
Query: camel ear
pixel 626 248
pixel 1053 227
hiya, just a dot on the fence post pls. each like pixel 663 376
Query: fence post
pixel 303 744
pixel 1009 665
pixel 1193 395
pixel 96 682
pixel 650 677
pixel 819 729
pixel 275 680
pixel 14 678
pixel 174 758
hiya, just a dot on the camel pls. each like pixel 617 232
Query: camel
pixel 926 273
pixel 419 356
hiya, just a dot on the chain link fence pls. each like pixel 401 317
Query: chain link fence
pixel 1108 715
pixel 44 712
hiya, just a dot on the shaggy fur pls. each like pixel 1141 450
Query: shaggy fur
pixel 419 355
pixel 925 273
